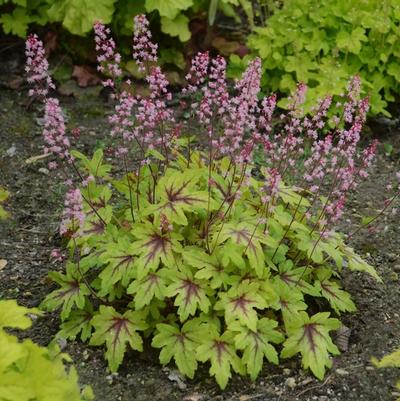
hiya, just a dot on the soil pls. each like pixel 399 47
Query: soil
pixel 27 238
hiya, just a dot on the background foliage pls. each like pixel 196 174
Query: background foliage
pixel 323 43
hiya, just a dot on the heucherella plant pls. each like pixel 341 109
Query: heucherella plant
pixel 182 240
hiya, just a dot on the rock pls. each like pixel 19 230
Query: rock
pixel 174 376
pixel 11 151
pixel 286 372
pixel 342 372
pixel 44 171
pixel 396 268
pixel 290 382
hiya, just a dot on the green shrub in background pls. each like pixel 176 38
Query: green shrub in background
pixel 29 372
pixel 169 18
pixel 78 16
pixel 323 43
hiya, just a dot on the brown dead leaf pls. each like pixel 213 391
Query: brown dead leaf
pixel 225 47
pixel 85 76
pixel 50 42
pixel 3 264
pixel 16 82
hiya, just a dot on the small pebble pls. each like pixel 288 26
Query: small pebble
pixel 290 382
pixel 44 171
pixel 342 372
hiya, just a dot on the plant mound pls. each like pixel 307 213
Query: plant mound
pixel 183 240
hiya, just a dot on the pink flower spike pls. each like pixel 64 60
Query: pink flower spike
pixel 144 50
pixel 73 216
pixel 108 59
pixel 37 67
pixel 56 141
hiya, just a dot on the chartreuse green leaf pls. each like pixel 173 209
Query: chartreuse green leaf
pixel 296 277
pixel 177 195
pixel 145 289
pixel 78 16
pixel 15 316
pixel 22 364
pixel 310 337
pixel 117 330
pixel 119 259
pixel 154 247
pixel 179 26
pixel 220 351
pixel 190 293
pixel 256 344
pixel 3 197
pixel 95 166
pixel 251 239
pixel 290 301
pixel 339 300
pixel 241 303
pixel 210 266
pixel 390 360
pixel 17 22
pixel 355 262
pixel 72 291
pixel 180 344
pixel 79 321
pixel 168 8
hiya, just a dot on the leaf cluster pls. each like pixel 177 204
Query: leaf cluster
pixel 23 363
pixel 196 270
pixel 324 43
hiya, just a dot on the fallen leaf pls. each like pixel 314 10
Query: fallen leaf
pixel 50 42
pixel 3 264
pixel 225 47
pixel 85 76
pixel 34 159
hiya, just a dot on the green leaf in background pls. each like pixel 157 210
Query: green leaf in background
pixel 78 16
pixel 17 22
pixel 168 8
pixel 179 26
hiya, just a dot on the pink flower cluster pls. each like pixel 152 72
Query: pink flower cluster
pixel 56 141
pixel 73 216
pixel 198 73
pixel 215 100
pixel 108 59
pixel 144 50
pixel 122 122
pixel 37 67
pixel 242 111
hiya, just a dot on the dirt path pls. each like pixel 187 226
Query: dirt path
pixel 28 237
